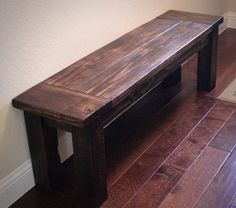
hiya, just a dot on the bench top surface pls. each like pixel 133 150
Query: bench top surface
pixel 102 79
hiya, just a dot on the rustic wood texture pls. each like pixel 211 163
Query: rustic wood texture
pixel 110 54
pixel 234 200
pixel 114 75
pixel 151 160
pixel 189 16
pixel 226 139
pixel 207 63
pixel 195 180
pixel 223 187
pixel 102 86
pixel 90 165
pixel 156 55
pixel 225 77
pixel 199 138
pixel 155 190
pixel 44 155
pixel 134 134
pixel 63 105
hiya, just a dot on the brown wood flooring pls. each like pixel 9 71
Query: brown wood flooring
pixel 176 149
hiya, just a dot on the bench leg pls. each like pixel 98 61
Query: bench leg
pixel 173 79
pixel 207 60
pixel 44 153
pixel 90 165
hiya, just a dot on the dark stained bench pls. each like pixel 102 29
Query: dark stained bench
pixel 89 94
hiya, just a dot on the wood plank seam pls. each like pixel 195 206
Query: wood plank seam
pixel 162 33
pixel 202 152
pixel 217 173
pixel 82 94
pixel 172 152
pixel 142 26
pixel 209 182
pixel 153 143
pixel 142 153
pixel 233 201
pixel 214 175
pixel 163 110
pixel 231 153
pixel 181 169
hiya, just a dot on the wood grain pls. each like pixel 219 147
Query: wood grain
pixel 196 179
pixel 100 60
pixel 207 60
pixel 155 55
pixel 189 16
pixel 134 133
pixel 234 200
pixel 223 187
pixel 226 63
pixel 103 85
pixel 205 132
pixel 156 188
pixel 115 74
pixel 45 161
pixel 89 165
pixel 152 159
pixel 63 105
pixel 131 134
pixel 226 138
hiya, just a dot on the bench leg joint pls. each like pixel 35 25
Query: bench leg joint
pixel 90 164
pixel 43 143
pixel 207 60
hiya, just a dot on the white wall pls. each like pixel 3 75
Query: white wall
pixel 231 14
pixel 39 38
pixel 232 5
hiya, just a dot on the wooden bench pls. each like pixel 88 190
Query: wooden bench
pixel 89 94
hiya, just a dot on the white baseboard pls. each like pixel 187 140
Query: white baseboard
pixel 16 184
pixel 231 20
pixel 224 25
pixel 21 180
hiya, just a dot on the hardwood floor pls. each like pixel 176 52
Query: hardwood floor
pixel 177 151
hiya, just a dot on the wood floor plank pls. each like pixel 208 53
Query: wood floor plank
pixel 156 189
pixel 226 138
pixel 205 132
pixel 134 133
pixel 221 191
pixel 191 186
pixel 151 160
pixel 234 200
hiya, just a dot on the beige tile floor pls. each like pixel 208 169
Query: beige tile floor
pixel 229 94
